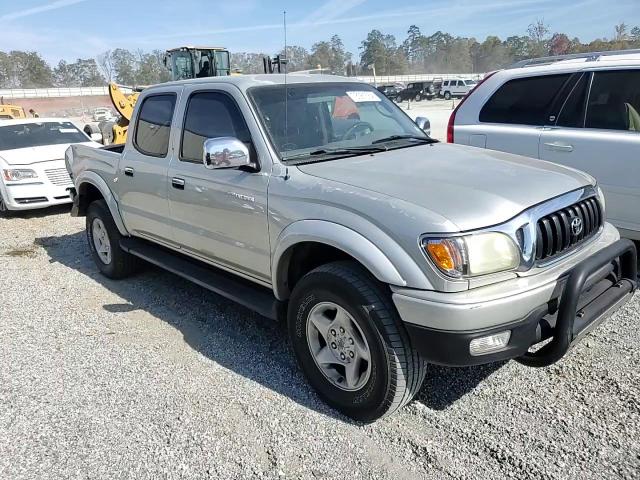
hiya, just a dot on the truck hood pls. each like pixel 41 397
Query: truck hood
pixel 44 153
pixel 471 187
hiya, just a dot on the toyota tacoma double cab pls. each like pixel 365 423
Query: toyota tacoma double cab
pixel 315 199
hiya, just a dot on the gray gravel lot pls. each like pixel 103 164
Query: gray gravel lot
pixel 152 377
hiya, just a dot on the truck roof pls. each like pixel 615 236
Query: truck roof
pixel 244 82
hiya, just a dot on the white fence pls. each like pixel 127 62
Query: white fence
pixel 55 92
pixel 96 91
pixel 384 79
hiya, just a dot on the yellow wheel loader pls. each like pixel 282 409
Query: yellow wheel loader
pixel 10 112
pixel 183 63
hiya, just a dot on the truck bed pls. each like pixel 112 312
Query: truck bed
pixel 103 161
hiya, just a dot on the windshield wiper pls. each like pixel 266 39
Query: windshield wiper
pixel 339 151
pixel 405 137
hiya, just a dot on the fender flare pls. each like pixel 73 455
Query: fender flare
pixel 397 268
pixel 98 182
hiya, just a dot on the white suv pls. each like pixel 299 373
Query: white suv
pixel 457 87
pixel 578 110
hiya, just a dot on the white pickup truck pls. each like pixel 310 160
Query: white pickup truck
pixel 316 199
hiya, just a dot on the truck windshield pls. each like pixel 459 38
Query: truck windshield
pixel 330 117
pixel 25 135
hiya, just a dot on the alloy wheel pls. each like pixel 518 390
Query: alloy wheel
pixel 338 346
pixel 101 241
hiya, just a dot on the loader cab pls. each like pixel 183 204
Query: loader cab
pixel 197 62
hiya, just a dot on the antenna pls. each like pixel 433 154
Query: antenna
pixel 286 70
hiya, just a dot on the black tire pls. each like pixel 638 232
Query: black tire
pixel 90 129
pixel 4 210
pixel 418 97
pixel 397 370
pixel 121 263
pixel 447 95
pixel 106 129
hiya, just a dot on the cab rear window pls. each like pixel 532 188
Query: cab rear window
pixel 524 101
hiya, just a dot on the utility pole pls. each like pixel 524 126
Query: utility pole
pixel 372 67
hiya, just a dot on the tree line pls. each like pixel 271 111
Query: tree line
pixel 418 53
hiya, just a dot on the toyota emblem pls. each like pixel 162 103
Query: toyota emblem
pixel 576 226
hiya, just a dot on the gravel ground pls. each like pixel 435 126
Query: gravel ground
pixel 152 377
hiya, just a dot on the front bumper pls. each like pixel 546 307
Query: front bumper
pixel 50 187
pixel 32 196
pixel 581 299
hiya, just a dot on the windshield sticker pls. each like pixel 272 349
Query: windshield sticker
pixel 363 96
pixel 67 130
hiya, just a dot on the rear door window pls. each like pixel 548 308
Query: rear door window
pixel 153 126
pixel 572 113
pixel 523 101
pixel 614 101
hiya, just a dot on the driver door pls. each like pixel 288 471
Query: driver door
pixel 220 215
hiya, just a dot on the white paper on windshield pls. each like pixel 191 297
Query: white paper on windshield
pixel 363 96
pixel 67 130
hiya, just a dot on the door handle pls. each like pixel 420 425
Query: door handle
pixel 559 147
pixel 128 171
pixel 177 183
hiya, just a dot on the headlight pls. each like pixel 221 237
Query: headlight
pixel 15 175
pixel 473 255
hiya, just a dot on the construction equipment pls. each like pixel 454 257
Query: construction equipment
pixel 183 63
pixel 197 62
pixel 9 112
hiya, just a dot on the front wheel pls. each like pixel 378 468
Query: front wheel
pixel 350 342
pixel 4 210
pixel 418 97
pixel 447 95
pixel 104 242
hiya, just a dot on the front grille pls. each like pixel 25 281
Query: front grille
pixel 59 177
pixel 560 231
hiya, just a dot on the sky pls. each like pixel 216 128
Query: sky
pixel 70 29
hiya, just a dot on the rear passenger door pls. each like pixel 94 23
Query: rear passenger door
pixel 514 116
pixel 598 131
pixel 142 170
pixel 220 215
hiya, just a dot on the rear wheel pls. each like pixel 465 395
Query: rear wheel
pixel 350 342
pixel 104 242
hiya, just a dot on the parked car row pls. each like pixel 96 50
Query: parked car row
pixel 428 90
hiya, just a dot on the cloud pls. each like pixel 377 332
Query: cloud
pixel 40 9
pixel 331 10
pixel 325 16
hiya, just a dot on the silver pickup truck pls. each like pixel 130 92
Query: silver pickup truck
pixel 315 199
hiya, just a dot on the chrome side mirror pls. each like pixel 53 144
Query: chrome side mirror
pixel 225 152
pixel 424 124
